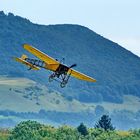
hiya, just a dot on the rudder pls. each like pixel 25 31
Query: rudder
pixel 23 57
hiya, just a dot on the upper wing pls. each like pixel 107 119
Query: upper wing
pixel 80 76
pixel 40 54
pixel 26 63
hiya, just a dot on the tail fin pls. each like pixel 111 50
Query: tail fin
pixel 23 57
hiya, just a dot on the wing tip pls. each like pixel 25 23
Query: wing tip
pixel 25 45
pixel 93 80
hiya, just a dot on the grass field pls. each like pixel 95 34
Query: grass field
pixel 14 96
pixel 19 94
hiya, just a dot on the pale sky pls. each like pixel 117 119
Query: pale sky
pixel 117 20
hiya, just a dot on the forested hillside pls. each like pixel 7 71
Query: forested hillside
pixel 27 94
pixel 116 69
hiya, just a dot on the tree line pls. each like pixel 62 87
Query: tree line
pixel 103 130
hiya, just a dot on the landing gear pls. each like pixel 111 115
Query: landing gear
pixel 65 79
pixel 63 83
pixel 51 77
pixel 61 78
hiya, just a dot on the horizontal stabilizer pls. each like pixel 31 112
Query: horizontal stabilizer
pixel 31 66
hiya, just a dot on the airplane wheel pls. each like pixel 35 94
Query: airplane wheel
pixel 63 84
pixel 51 77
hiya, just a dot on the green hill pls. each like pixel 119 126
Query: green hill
pixel 27 94
pixel 115 68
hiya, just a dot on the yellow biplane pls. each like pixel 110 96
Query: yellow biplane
pixel 60 73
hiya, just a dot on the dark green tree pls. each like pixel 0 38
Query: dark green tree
pixel 105 123
pixel 82 129
pixel 27 130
